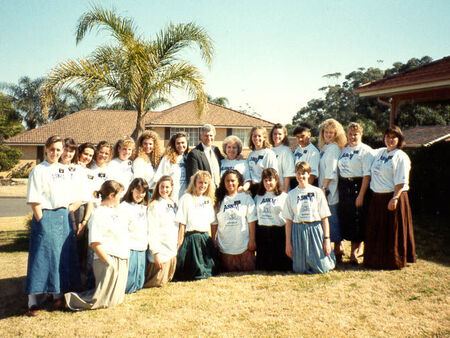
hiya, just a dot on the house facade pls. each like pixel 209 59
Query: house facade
pixel 110 125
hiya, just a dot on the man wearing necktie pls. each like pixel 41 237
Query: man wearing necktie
pixel 205 156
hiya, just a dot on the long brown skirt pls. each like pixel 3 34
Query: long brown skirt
pixel 389 242
pixel 241 262
pixel 156 277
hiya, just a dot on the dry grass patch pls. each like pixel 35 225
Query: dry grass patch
pixel 349 301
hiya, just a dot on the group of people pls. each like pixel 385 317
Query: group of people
pixel 109 220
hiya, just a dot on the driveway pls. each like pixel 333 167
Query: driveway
pixel 14 206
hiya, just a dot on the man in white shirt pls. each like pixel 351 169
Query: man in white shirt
pixel 205 156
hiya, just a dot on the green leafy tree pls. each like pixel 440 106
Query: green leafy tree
pixel 223 101
pixel 133 69
pixel 10 120
pixel 9 157
pixel 341 103
pixel 25 98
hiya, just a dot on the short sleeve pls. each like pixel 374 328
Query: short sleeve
pixel 331 162
pixel 288 213
pixel 323 208
pixel 34 188
pixel 367 161
pixel 252 215
pixel 182 213
pixel 401 166
pixel 95 227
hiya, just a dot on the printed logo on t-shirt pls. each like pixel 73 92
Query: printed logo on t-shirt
pixel 61 171
pixel 90 177
pixel 309 196
pixel 385 159
pixel 101 175
pixel 268 200
pixel 71 169
pixel 350 155
pixel 234 205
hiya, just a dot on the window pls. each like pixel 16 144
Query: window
pixel 243 134
pixel 193 134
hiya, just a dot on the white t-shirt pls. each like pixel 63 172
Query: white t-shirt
pixel 76 174
pixel 389 169
pixel 101 175
pixel 144 170
pixel 196 212
pixel 233 217
pixel 107 227
pixel 88 179
pixel 270 209
pixel 135 215
pixel 163 230
pixel 328 169
pixel 307 205
pixel 355 161
pixel 308 154
pixel 239 165
pixel 121 171
pixel 285 160
pixel 258 160
pixel 178 173
pixel 50 185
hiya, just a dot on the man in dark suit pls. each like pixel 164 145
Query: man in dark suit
pixel 205 156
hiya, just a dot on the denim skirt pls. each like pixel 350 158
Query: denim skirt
pixel 136 271
pixel 52 260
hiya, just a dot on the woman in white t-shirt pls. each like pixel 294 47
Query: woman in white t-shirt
pixel 162 234
pixel 235 227
pixel 271 228
pixel 100 168
pixel 307 230
pixel 232 148
pixel 108 237
pixel 197 255
pixel 331 140
pixel 148 156
pixel 306 151
pixel 121 166
pixel 133 210
pixel 280 142
pixel 389 241
pixel 354 177
pixel 173 164
pixel 52 259
pixel 261 156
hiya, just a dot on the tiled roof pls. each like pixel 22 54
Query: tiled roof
pixel 436 71
pixel 186 114
pixel 426 135
pixel 110 125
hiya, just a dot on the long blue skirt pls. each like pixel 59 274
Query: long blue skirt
pixel 307 245
pixel 335 227
pixel 52 260
pixel 136 271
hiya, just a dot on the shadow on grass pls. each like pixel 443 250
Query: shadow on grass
pixel 12 300
pixel 14 241
pixel 432 235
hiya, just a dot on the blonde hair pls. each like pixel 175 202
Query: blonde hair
pixel 340 138
pixel 171 150
pixel 210 192
pixel 266 143
pixel 124 142
pixel 355 126
pixel 155 156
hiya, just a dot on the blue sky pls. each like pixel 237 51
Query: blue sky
pixel 270 55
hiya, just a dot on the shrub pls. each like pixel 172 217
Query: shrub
pixel 9 157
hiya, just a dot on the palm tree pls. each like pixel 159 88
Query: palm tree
pixel 132 69
pixel 223 101
pixel 25 98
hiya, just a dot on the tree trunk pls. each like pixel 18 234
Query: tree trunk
pixel 140 126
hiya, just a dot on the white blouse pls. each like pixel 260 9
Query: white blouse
pixel 196 212
pixel 163 230
pixel 258 160
pixel 355 161
pixel 389 169
pixel 135 215
pixel 233 217
pixel 308 154
pixel 50 185
pixel 270 209
pixel 307 205
pixel 108 228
